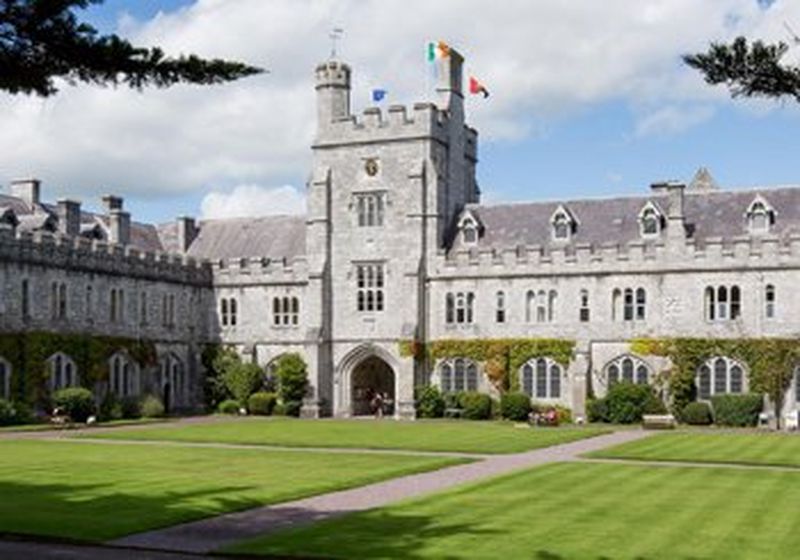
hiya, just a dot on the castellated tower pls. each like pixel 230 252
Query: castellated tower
pixel 385 190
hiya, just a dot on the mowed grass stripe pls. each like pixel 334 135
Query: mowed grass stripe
pixel 442 435
pixel 575 511
pixel 724 447
pixel 98 492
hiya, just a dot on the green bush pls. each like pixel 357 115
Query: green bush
pixel 279 410
pixel 292 408
pixel 737 410
pixel 697 414
pixel 241 380
pixel 76 402
pixel 564 414
pixel 229 406
pixel 628 402
pixel 131 409
pixel 292 375
pixel 476 406
pixel 110 408
pixel 8 414
pixel 23 413
pixel 597 410
pixel 262 403
pixel 515 406
pixel 453 400
pixel 152 407
pixel 430 402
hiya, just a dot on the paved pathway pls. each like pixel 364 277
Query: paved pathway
pixel 211 534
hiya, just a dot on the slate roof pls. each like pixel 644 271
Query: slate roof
pixel 708 213
pixel 273 237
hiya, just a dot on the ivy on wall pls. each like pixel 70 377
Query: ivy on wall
pixel 502 358
pixel 28 353
pixel 771 362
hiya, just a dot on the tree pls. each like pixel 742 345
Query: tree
pixel 749 69
pixel 292 375
pixel 41 40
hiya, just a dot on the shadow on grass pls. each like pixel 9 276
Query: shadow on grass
pixel 95 512
pixel 387 535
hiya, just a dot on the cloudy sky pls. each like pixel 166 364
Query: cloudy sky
pixel 588 98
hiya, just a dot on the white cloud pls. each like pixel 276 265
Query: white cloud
pixel 672 119
pixel 539 59
pixel 251 201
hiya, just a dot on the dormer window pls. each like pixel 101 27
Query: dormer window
pixel 563 224
pixel 760 216
pixel 469 228
pixel 650 220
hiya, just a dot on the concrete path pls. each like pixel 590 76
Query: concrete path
pixel 212 534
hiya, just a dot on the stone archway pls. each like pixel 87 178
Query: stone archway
pixel 370 376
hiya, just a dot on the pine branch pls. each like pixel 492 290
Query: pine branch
pixel 749 70
pixel 41 40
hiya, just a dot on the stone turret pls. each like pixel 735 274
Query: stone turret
pixel 119 221
pixel 333 93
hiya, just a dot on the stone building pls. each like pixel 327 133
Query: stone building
pixel 397 250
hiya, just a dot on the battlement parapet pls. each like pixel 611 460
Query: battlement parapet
pixel 78 253
pixel 397 123
pixel 260 270
pixel 741 252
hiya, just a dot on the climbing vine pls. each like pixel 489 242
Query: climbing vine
pixel 28 353
pixel 771 362
pixel 501 357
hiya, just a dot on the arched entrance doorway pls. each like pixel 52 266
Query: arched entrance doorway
pixel 370 377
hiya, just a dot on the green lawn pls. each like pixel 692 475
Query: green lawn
pixel 724 447
pixel 103 491
pixel 573 511
pixel 437 435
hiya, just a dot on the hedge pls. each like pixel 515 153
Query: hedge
pixel 262 403
pixel 737 410
pixel 76 402
pixel 697 414
pixel 515 406
pixel 476 406
pixel 628 402
pixel 429 402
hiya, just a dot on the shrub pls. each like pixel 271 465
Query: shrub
pixel 279 410
pixel 241 380
pixel 76 402
pixel 8 414
pixel 131 408
pixel 110 408
pixel 476 406
pixel 515 406
pixel 737 410
pixel 628 402
pixel 262 403
pixel 292 375
pixel 597 410
pixel 292 408
pixel 697 414
pixel 229 406
pixel 152 407
pixel 430 402
pixel 23 413
pixel 564 414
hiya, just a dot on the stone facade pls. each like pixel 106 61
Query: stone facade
pixel 397 247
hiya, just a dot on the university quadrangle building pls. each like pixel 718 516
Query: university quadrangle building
pixel 396 252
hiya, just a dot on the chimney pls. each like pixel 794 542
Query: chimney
pixel 119 221
pixel 69 217
pixel 112 202
pixel 187 232
pixel 676 220
pixel 27 189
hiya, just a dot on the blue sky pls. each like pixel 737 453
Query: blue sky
pixel 607 111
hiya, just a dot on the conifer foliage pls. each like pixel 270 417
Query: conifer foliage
pixel 749 69
pixel 42 40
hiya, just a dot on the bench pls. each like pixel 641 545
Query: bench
pixel 452 413
pixel 658 422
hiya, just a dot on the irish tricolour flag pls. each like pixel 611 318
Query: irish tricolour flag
pixel 436 50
